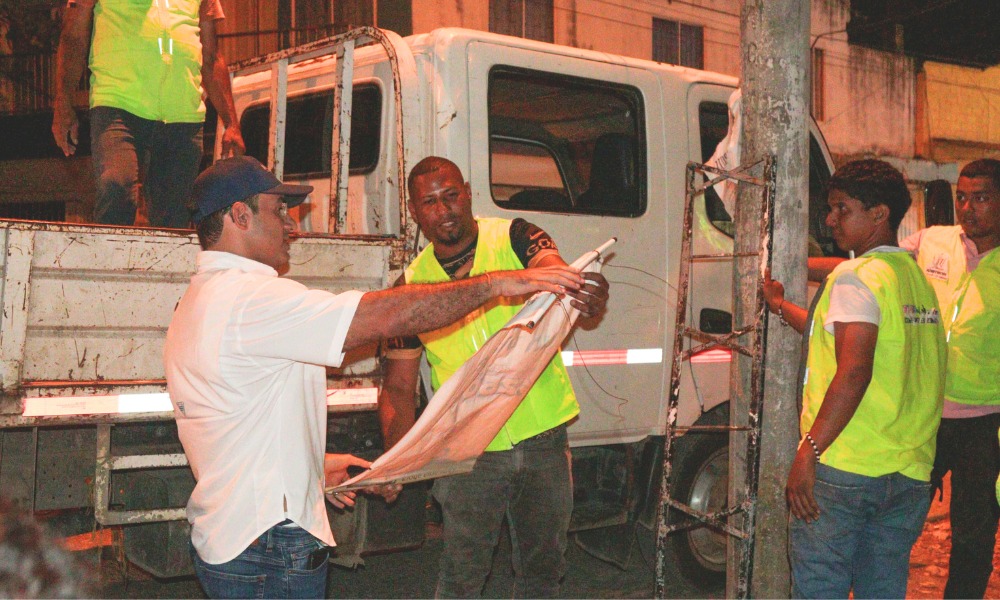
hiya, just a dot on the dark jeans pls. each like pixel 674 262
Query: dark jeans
pixel 284 562
pixel 531 486
pixel 969 449
pixel 168 154
pixel 862 538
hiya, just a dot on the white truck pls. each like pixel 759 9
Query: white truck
pixel 584 144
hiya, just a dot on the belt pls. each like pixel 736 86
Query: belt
pixel 544 434
pixel 287 523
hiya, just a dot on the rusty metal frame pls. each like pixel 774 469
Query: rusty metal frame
pixel 343 46
pixel 734 341
pixel 340 156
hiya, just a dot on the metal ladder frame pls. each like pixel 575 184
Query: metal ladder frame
pixel 343 47
pixel 698 342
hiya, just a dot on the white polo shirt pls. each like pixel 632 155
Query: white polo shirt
pixel 244 362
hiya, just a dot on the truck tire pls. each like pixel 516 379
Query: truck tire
pixel 701 480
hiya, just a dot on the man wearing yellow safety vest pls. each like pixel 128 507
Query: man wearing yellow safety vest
pixel 525 472
pixel 859 486
pixel 149 62
pixel 962 264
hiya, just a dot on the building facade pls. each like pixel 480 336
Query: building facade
pixel 866 101
pixel 927 117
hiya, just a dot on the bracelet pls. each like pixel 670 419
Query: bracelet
pixel 781 315
pixel 812 442
pixel 489 282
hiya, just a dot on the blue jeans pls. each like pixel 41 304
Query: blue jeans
pixel 529 485
pixel 863 537
pixel 284 562
pixel 168 154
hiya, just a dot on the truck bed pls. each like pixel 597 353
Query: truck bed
pixel 86 310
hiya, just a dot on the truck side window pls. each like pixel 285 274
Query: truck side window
pixel 566 144
pixel 309 128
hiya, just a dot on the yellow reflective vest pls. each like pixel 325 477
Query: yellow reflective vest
pixel 551 401
pixel 895 425
pixel 970 305
pixel 145 58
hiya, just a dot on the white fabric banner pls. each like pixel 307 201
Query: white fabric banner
pixel 471 407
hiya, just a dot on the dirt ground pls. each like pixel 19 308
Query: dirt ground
pixel 929 560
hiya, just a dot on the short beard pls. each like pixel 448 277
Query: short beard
pixel 454 237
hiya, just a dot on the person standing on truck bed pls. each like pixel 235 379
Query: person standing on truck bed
pixel 962 264
pixel 524 475
pixel 244 363
pixel 859 486
pixel 149 62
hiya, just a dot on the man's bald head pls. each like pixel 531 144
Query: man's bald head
pixel 431 164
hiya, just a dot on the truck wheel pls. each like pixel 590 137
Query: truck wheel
pixel 701 480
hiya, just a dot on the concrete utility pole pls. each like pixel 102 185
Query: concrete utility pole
pixel 775 81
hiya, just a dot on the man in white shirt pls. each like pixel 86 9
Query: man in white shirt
pixel 245 357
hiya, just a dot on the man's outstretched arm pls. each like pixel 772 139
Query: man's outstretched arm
pixel 412 309
pixel 215 80
pixel 821 266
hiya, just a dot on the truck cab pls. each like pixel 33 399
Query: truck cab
pixel 587 146
pixel 584 144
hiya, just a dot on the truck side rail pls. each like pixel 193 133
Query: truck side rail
pixel 343 46
pixel 85 310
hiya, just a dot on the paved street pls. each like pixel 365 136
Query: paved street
pixel 411 574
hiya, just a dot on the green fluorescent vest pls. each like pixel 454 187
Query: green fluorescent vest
pixel 894 427
pixel 551 401
pixel 970 306
pixel 145 58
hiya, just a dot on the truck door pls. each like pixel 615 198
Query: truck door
pixel 587 150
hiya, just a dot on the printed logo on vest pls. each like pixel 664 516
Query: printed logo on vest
pixel 920 315
pixel 938 269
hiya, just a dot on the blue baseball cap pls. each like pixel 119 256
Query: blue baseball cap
pixel 234 179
